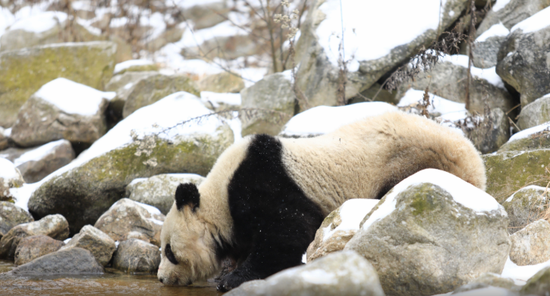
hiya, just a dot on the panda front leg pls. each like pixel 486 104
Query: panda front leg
pixel 272 251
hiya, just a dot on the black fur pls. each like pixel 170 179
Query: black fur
pixel 273 220
pixel 187 194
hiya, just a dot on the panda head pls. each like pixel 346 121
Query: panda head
pixel 188 248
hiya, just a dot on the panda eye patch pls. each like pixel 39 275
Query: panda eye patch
pixel 169 254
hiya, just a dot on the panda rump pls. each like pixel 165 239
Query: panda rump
pixel 265 197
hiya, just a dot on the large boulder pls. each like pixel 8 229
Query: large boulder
pixel 525 206
pixel 535 113
pixel 338 274
pixel 72 261
pixel 32 247
pixel 533 138
pixel 159 190
pixel 486 46
pixel 36 163
pixel 423 237
pixel 223 82
pixel 54 226
pixel 10 177
pixel 510 13
pixel 320 53
pixel 123 85
pixel 153 88
pixel 129 218
pixel 523 57
pixel 205 14
pixel 11 216
pixel 272 103
pixel 96 241
pixel 339 227
pixel 24 71
pixel 135 255
pixel 530 245
pixel 449 78
pixel 62 109
pixel 147 143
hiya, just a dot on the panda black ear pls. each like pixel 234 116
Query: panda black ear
pixel 187 194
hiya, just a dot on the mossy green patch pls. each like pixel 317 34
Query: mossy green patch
pixel 509 171
pixel 537 141
pixel 24 71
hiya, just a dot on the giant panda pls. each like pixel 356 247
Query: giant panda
pixel 265 197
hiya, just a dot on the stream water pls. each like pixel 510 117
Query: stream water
pixel 110 283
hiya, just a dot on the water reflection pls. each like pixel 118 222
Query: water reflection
pixel 107 284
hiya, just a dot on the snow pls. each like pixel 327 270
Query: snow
pixel 318 277
pixel 520 274
pixel 39 153
pixel 361 21
pixel 314 121
pixel 150 209
pixel 530 187
pixel 6 19
pixel 487 291
pixel 186 4
pixel 488 74
pixel 23 194
pixel 131 63
pixel 73 98
pixel 500 5
pixel 41 22
pixel 530 131
pixel 221 98
pixel 462 192
pixel 192 38
pixel 538 21
pixel 437 103
pixel 8 171
pixel 352 213
pixel 496 30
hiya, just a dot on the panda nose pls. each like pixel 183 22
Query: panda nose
pixel 160 280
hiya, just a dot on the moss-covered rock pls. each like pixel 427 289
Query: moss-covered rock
pixel 24 71
pixel 424 240
pixel 525 206
pixel 509 171
pixel 221 83
pixel 149 90
pixel 535 113
pixel 539 284
pixel 149 142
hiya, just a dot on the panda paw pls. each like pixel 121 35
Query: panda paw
pixel 233 280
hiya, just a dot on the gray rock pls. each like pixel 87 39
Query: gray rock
pixel 89 63
pixel 530 244
pixel 127 217
pixel 527 205
pixel 491 131
pixel 318 77
pixel 32 247
pixel 39 121
pixel 71 261
pixel 523 63
pixel 511 14
pixel 4 141
pixel 95 241
pixel 123 84
pixel 224 47
pixel 54 226
pixel 135 255
pixel 11 216
pixel 85 189
pixel 488 280
pixel 485 53
pixel 535 113
pixel 539 284
pixel 159 190
pixel 224 82
pixel 338 274
pixel 153 88
pixel 10 178
pixel 38 162
pixel 423 240
pixel 339 227
pixel 206 15
pixel 509 171
pixel 275 99
pixel 448 80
